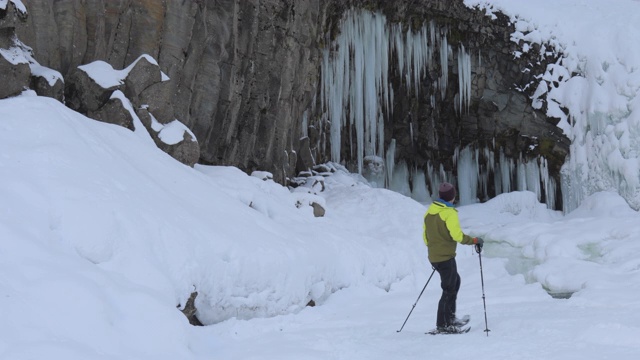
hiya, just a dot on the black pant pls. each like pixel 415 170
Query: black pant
pixel 450 283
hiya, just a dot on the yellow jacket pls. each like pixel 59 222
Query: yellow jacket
pixel 442 232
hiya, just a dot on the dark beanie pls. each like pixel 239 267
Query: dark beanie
pixel 447 192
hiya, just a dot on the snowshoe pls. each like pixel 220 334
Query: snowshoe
pixel 448 330
pixel 461 321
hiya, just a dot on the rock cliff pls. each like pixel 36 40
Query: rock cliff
pixel 247 77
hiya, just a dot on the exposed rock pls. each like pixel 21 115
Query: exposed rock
pixel 10 17
pixel 14 78
pixel 14 73
pixel 148 92
pixel 158 100
pixel 189 310
pixel 290 165
pixel 83 94
pixel 185 150
pixel 305 159
pixel 141 76
pixel 113 112
pixel 318 210
pixel 43 87
pixel 145 119
pixel 7 35
pixel 242 71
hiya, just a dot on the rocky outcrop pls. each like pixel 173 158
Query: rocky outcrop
pixel 19 71
pixel 83 93
pixel 241 72
pixel 189 309
pixel 14 77
pixel 47 84
pixel 138 92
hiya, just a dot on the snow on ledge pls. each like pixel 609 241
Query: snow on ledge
pixel 138 127
pixel 22 54
pixel 15 55
pixel 106 76
pixel 171 133
pixel 17 3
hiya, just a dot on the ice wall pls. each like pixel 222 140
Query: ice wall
pixel 355 86
pixel 355 89
pixel 356 93
pixel 478 170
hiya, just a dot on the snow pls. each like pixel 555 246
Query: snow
pixel 173 132
pixel 102 235
pixel 14 55
pixel 106 76
pixel 17 3
pixel 139 128
pixel 596 39
pixel 20 53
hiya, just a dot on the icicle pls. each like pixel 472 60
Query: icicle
pixel 433 179
pixel 419 186
pixel 548 183
pixel 521 175
pixel 411 132
pixel 507 168
pixel 400 179
pixel 532 171
pixel 444 65
pixel 390 162
pixel 399 47
pixel 467 165
pixel 432 32
pixel 355 89
pixel 464 79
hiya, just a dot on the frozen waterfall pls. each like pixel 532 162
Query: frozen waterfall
pixel 355 89
pixel 356 97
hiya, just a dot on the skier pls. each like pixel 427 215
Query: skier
pixel 442 234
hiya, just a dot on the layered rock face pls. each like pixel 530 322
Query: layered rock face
pixel 241 71
pixel 247 78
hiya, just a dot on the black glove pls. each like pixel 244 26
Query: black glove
pixel 479 243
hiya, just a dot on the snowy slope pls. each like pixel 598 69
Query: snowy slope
pixel 102 236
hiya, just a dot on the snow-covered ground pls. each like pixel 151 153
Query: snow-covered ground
pixel 102 235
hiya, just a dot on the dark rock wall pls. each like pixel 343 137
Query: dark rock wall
pixel 243 72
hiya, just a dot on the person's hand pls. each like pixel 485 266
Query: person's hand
pixel 479 242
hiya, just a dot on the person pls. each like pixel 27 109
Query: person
pixel 442 234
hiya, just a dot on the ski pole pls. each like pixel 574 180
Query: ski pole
pixel 486 327
pixel 414 305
